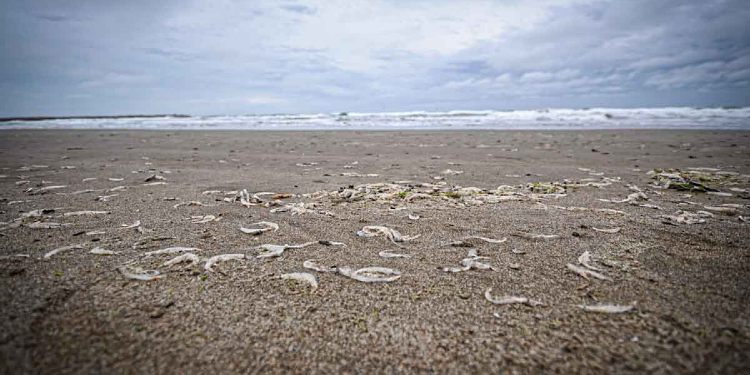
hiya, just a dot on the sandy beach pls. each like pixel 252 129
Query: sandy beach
pixel 521 251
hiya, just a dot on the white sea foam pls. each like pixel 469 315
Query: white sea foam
pixel 545 119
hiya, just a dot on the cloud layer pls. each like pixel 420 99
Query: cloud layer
pixel 234 57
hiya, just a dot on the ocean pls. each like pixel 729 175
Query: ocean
pixel 542 119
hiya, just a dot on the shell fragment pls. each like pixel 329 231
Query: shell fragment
pixel 371 274
pixel 510 300
pixel 265 226
pixel 608 308
pixel 51 253
pixel 137 273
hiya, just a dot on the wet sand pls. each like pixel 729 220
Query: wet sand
pixel 76 313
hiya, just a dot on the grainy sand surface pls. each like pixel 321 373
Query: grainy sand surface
pixel 76 313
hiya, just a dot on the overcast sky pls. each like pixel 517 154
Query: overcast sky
pixel 234 57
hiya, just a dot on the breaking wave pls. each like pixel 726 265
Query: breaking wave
pixel 543 119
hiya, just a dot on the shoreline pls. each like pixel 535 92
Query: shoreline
pixel 550 119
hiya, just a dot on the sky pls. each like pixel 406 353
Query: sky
pixel 65 57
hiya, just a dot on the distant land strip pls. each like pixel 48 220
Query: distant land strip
pixel 46 118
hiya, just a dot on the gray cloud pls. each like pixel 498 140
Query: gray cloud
pixel 298 8
pixel 91 57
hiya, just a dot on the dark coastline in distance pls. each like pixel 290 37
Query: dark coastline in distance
pixel 46 118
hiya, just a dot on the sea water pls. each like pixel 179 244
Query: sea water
pixel 542 119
